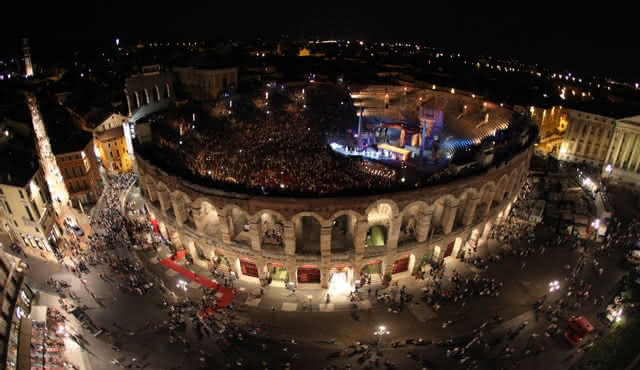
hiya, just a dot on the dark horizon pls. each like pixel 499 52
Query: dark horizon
pixel 585 39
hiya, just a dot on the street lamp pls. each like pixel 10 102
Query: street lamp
pixel 609 168
pixel 553 286
pixel 182 285
pixel 382 330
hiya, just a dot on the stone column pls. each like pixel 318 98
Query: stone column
pixel 254 235
pixel 632 152
pixel 325 240
pixel 489 199
pixel 179 209
pixel 260 264
pixel 289 240
pixel 226 228
pixel 616 153
pixel 357 267
pixel 325 266
pixel 470 209
pixel 394 233
pixel 292 269
pixel 449 216
pixel 362 226
pixel 423 224
pixel 163 197
pixel 126 93
pixel 197 218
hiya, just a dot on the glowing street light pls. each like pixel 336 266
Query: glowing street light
pixel 609 168
pixel 382 330
pixel 553 286
pixel 182 285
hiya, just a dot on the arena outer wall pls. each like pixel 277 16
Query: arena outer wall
pixel 447 220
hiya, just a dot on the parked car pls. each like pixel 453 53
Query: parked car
pixel 578 328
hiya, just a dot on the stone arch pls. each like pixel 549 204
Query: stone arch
pixel 441 214
pixel 270 227
pixel 181 205
pixel 307 227
pixel 204 216
pixel 487 193
pixel 167 90
pixel 156 93
pixel 383 208
pixel 136 98
pixel 238 224
pixel 465 202
pixel 410 220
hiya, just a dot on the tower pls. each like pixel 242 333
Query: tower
pixel 28 67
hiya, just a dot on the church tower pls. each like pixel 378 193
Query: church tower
pixel 28 67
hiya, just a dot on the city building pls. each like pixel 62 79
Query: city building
pixel 203 84
pixel 28 66
pixel 26 211
pixel 16 306
pixel 622 161
pixel 111 144
pixel 76 159
pixel 586 138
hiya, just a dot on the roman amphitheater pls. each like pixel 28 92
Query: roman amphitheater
pixel 322 240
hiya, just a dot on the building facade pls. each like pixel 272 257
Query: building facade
pixel 587 138
pixel 622 162
pixel 316 240
pixel 81 174
pixel 111 144
pixel 26 212
pixel 149 91
pixel 206 84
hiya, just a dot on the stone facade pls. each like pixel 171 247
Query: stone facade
pixel 326 234
pixel 149 91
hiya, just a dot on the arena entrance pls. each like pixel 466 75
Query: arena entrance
pixel 374 268
pixel 403 266
pixel 277 273
pixel 248 268
pixel 308 274
pixel 340 278
pixel 376 236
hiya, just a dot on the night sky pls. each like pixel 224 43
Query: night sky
pixel 572 35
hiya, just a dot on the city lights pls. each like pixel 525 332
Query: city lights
pixel 553 286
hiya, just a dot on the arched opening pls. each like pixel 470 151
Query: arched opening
pixel 437 218
pixel 147 99
pixel 307 229
pixel 308 274
pixel 156 93
pixel 374 268
pixel 340 279
pixel 136 98
pixel 404 264
pixel 272 230
pixel 376 236
pixel 342 233
pixel 167 91
pixel 409 226
pixel 239 226
pixel 205 217
pixel 276 272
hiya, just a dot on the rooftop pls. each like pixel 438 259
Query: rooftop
pixel 110 134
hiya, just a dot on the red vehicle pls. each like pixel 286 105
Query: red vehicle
pixel 577 329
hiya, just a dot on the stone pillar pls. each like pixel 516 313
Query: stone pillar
pixel 325 267
pixel 163 197
pixel 254 235
pixel 292 269
pixel 489 199
pixel 179 209
pixel 394 232
pixel 198 218
pixel 260 264
pixel 423 224
pixel 449 216
pixel 126 93
pixel 616 153
pixel 325 240
pixel 470 210
pixel 289 240
pixel 226 228
pixel 362 226
pixel 632 153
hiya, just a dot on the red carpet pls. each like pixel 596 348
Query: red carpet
pixel 227 293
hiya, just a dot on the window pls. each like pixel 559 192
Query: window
pixel 84 182
pixel 21 194
pixel 73 169
pixel 29 212
pixel 66 172
pixel 80 172
pixel 35 208
pixel 8 208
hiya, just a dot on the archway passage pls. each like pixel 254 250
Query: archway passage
pixel 308 274
pixel 400 265
pixel 307 235
pixel 278 272
pixel 376 236
pixel 373 267
pixel 248 268
pixel 340 279
pixel 342 231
